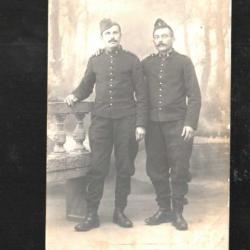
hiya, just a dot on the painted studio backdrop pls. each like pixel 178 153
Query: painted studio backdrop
pixel 201 30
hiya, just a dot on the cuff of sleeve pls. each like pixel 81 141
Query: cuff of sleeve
pixel 140 126
pixel 192 125
pixel 141 123
pixel 77 95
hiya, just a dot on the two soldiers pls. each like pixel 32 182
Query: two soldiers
pixel 134 99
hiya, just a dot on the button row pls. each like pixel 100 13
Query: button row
pixel 160 88
pixel 111 79
pixel 161 69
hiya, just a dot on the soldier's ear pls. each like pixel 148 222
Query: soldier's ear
pixel 173 36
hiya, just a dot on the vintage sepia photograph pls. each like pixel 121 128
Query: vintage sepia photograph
pixel 138 125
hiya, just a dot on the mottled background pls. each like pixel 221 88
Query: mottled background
pixel 202 31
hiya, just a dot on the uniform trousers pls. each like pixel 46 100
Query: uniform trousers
pixel 104 135
pixel 167 163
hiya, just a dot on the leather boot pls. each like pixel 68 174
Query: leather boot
pixel 179 222
pixel 90 221
pixel 162 215
pixel 121 219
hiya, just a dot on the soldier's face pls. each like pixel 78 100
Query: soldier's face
pixel 111 37
pixel 163 39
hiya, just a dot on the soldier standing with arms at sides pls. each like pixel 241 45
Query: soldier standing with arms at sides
pixel 118 120
pixel 174 107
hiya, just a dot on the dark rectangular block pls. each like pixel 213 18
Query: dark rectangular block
pixel 75 198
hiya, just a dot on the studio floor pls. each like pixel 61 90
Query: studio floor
pixel 206 213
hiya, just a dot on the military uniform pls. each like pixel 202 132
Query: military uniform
pixel 120 106
pixel 171 79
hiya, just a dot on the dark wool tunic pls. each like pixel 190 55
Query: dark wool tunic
pixel 171 80
pixel 120 87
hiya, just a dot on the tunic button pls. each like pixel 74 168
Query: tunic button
pixel 111 79
pixel 160 95
pixel 111 61
pixel 111 97
pixel 160 108
pixel 161 64
pixel 161 83
pixel 110 104
pixel 110 85
pixel 160 89
pixel 160 76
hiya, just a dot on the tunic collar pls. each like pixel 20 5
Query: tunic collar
pixel 114 51
pixel 169 53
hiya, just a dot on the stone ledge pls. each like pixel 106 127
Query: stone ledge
pixel 67 166
pixel 64 175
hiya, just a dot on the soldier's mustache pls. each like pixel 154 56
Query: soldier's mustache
pixel 160 44
pixel 112 40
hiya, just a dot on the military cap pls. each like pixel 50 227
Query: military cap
pixel 107 23
pixel 159 23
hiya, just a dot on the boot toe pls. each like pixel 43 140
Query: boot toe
pixel 79 227
pixel 180 224
pixel 87 224
pixel 151 221
pixel 122 220
pixel 159 217
pixel 127 223
pixel 85 227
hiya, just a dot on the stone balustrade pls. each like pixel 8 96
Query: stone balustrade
pixel 61 164
pixel 69 166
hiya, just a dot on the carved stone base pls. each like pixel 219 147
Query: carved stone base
pixel 61 167
pixel 75 198
pixel 71 169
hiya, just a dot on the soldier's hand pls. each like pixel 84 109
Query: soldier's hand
pixel 140 133
pixel 70 100
pixel 187 133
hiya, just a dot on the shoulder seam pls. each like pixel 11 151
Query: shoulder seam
pixel 149 57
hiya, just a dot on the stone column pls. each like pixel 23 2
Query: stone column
pixel 79 133
pixel 60 136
